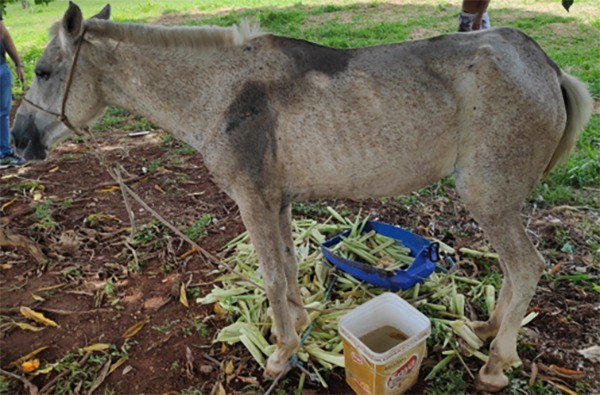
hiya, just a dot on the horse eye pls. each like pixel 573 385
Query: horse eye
pixel 42 74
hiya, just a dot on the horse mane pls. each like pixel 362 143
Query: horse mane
pixel 176 36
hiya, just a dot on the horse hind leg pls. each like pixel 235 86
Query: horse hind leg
pixel 524 266
pixel 488 329
pixel 494 195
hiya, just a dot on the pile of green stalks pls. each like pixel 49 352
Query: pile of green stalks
pixel 446 298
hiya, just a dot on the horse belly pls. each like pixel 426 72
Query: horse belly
pixel 360 159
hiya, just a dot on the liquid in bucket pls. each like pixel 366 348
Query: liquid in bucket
pixel 383 339
pixel 384 344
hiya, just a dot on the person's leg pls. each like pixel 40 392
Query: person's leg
pixel 5 102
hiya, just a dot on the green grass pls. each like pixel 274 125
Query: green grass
pixel 197 231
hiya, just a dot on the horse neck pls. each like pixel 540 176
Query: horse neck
pixel 178 89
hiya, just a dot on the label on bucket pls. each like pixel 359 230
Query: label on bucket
pixel 395 376
pixel 403 372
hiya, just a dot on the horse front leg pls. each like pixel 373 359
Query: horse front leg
pixel 262 224
pixel 299 315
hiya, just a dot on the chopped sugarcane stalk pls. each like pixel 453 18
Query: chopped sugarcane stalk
pixel 490 298
pixel 478 254
pixel 440 365
pixel 441 296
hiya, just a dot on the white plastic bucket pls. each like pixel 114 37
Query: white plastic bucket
pixel 395 370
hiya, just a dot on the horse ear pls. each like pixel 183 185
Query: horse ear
pixel 104 14
pixel 72 22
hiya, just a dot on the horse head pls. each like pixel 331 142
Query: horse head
pixel 64 91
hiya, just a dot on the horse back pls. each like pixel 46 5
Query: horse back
pixel 387 119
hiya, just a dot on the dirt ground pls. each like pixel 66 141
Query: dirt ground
pixel 97 285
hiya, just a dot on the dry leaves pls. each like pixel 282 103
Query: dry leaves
pixel 96 347
pixel 26 357
pixel 13 240
pixel 135 328
pixel 27 327
pixel 183 295
pixel 37 317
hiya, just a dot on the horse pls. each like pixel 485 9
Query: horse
pixel 280 120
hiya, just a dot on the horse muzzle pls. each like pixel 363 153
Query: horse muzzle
pixel 27 138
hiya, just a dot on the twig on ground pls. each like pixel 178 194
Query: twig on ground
pixel 33 390
pixel 16 310
pixel 50 384
pixel 213 360
pixel 116 173
pixel 276 381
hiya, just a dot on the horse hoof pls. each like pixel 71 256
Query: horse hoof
pixel 274 367
pixel 491 382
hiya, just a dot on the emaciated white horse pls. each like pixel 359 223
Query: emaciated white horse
pixel 280 120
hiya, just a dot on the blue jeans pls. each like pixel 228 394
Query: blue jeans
pixel 5 102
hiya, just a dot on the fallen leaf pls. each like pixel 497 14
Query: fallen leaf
pixel 26 357
pixel 100 378
pixel 5 205
pixel 112 188
pixel 45 370
pixel 220 311
pixel 563 388
pixel 189 362
pixel 534 373
pixel 135 328
pixel 183 295
pixel 189 252
pixel 96 347
pixel 28 327
pixel 30 366
pixel 575 374
pixel 37 298
pixel 591 353
pixel 54 169
pixel 218 390
pixel 249 380
pixel 155 303
pixel 555 268
pixel 229 367
pixel 51 287
pixel 5 266
pixel 9 239
pixel 37 317
pixel 117 364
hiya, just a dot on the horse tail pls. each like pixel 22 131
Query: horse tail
pixel 579 105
